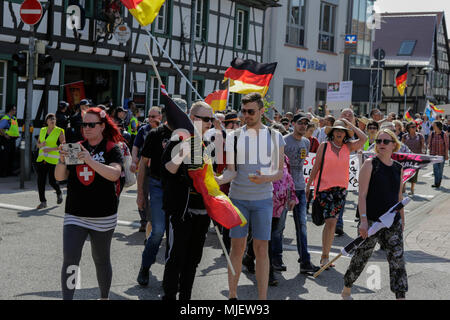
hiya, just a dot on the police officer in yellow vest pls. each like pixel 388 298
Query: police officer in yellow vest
pixel 49 139
pixel 9 132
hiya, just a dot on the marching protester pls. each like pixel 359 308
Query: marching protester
pixel 313 142
pixel 92 200
pixel 372 129
pixel 426 127
pixel 438 144
pixel 415 142
pixel 328 122
pixel 9 132
pixel 62 117
pixel 251 188
pixel 188 218
pixel 155 142
pixel 297 149
pixel 50 137
pixel 74 134
pixel 398 129
pixel 335 176
pixel 380 188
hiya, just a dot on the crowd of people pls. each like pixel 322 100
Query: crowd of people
pixel 264 184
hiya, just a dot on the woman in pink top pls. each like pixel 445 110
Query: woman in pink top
pixel 335 175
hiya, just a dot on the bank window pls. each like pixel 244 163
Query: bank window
pixel 163 19
pixel 241 34
pixel 327 27
pixel 292 98
pixel 201 16
pixel 295 33
pixel 155 91
pixel 2 85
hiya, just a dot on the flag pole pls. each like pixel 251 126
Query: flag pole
pixel 154 65
pixel 406 87
pixel 228 93
pixel 174 64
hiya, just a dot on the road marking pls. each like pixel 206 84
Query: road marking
pixel 294 248
pixel 127 196
pixel 21 208
pixel 428 196
pixel 428 175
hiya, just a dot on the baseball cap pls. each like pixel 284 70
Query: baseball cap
pixel 300 116
pixel 86 102
pixel 120 109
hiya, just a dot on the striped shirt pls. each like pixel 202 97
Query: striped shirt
pixel 102 224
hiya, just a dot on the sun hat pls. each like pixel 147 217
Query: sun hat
pixel 338 124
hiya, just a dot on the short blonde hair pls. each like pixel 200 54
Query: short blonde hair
pixel 199 105
pixel 397 143
pixel 398 122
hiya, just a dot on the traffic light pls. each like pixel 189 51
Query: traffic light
pixel 43 65
pixel 22 63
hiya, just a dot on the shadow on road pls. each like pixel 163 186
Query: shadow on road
pixel 416 256
pixel 80 294
pixel 37 213
pixel 134 239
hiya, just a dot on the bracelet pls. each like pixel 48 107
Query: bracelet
pixel 364 215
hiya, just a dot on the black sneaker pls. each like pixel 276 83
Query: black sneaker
pixel 143 276
pixel 308 268
pixel 279 266
pixel 339 231
pixel 59 198
pixel 249 264
pixel 273 282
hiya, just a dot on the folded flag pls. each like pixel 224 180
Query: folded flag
pixel 217 204
pixel 247 76
pixel 408 116
pixel 217 100
pixel 145 11
pixel 401 79
pixel 429 112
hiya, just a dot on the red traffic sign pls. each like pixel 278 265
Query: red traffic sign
pixel 31 12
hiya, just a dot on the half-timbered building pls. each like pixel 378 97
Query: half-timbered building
pixel 97 52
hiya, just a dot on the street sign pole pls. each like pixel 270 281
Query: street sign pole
pixel 29 106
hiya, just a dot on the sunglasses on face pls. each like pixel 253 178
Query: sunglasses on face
pixel 251 112
pixel 372 128
pixel 90 124
pixel 384 141
pixel 300 122
pixel 205 119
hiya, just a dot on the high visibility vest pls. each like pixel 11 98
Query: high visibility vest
pixel 130 130
pixel 51 142
pixel 13 130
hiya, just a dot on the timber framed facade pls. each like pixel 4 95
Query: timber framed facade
pixel 120 71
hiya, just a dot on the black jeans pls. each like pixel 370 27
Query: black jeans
pixel 186 240
pixel 8 152
pixel 43 169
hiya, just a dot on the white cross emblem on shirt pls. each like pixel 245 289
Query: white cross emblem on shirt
pixel 86 173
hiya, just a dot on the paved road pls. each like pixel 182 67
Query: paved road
pixel 31 254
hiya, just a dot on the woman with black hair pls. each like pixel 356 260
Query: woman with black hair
pixel 334 177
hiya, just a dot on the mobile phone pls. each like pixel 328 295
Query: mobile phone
pixel 72 149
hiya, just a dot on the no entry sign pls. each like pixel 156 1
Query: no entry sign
pixel 31 12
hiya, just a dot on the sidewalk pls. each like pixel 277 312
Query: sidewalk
pixel 433 235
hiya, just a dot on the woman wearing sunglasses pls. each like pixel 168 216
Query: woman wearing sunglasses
pixel 92 200
pixel 372 129
pixel 335 176
pixel 50 137
pixel 415 141
pixel 380 188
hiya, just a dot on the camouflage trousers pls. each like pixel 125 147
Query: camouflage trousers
pixel 392 241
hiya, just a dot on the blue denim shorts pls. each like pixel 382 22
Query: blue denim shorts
pixel 259 216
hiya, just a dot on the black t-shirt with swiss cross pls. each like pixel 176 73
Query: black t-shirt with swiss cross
pixel 154 145
pixel 88 193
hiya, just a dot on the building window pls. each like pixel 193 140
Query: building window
pixel 155 91
pixel 234 100
pixel 327 27
pixel 292 98
pixel 198 85
pixel 407 48
pixel 241 35
pixel 295 32
pixel 162 21
pixel 201 20
pixel 3 65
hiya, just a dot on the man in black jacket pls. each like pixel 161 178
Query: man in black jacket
pixel 188 219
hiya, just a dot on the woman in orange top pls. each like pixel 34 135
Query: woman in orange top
pixel 335 175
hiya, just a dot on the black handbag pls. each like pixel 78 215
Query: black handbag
pixel 317 210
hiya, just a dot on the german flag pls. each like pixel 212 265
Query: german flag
pixel 247 76
pixel 401 79
pixel 217 100
pixel 408 116
pixel 145 11
pixel 217 204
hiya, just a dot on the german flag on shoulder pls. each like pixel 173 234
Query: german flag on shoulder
pixel 247 76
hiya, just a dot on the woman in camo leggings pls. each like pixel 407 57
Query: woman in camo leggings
pixel 380 188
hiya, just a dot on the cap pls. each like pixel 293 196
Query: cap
pixel 120 109
pixel 63 104
pixel 231 117
pixel 300 116
pixel 86 102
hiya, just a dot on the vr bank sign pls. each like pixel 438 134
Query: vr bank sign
pixel 304 64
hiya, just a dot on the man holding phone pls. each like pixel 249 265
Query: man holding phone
pixel 254 160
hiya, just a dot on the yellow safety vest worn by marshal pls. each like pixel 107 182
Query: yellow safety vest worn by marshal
pixel 130 130
pixel 13 130
pixel 51 142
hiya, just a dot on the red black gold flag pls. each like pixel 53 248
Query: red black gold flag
pixel 408 116
pixel 401 79
pixel 247 76
pixel 217 100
